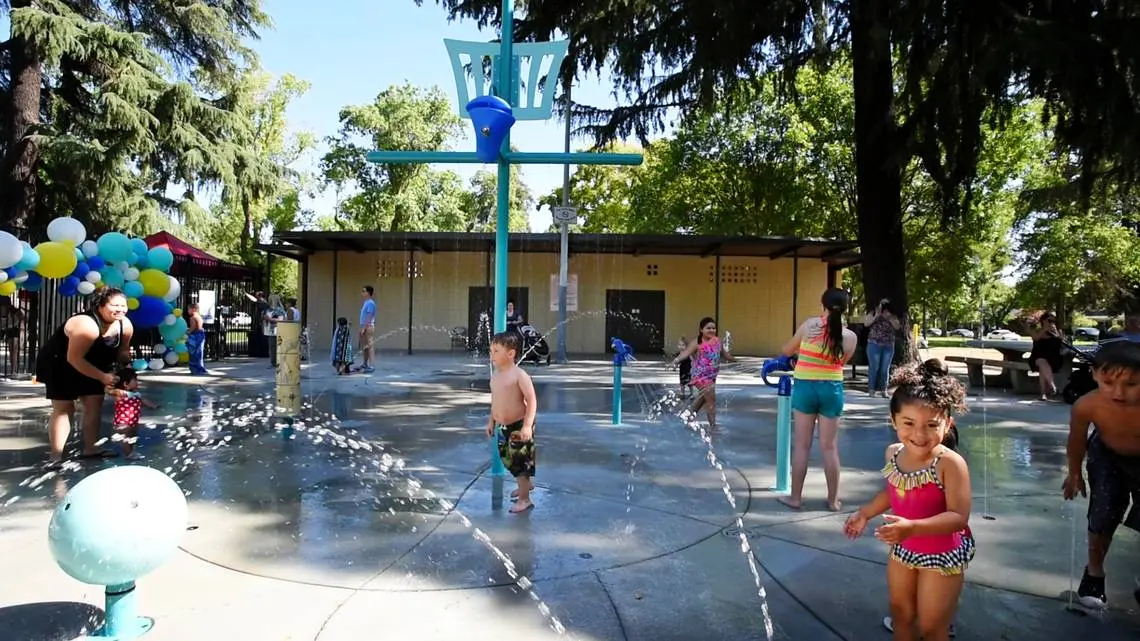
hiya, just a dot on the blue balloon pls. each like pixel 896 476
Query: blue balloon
pixel 114 247
pixel 69 286
pixel 29 260
pixel 170 308
pixel 12 271
pixel 81 270
pixel 139 365
pixel 141 262
pixel 160 258
pixel 139 247
pixel 150 312
pixel 34 282
pixel 96 262
pixel 133 289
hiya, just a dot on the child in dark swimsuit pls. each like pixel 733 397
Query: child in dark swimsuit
pixel 513 410
pixel 1105 426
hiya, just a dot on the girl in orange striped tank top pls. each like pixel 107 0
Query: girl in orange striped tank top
pixel 824 346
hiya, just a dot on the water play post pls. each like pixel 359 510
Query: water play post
pixel 498 470
pixel 784 435
pixel 288 368
pixel 622 353
pixel 782 368
pixel 503 81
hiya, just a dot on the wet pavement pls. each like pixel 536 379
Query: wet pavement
pixel 374 514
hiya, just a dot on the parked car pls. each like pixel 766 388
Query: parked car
pixel 241 319
pixel 1087 333
pixel 1003 335
pixel 961 332
pixel 933 331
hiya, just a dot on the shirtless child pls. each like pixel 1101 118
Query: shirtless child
pixel 1113 448
pixel 513 407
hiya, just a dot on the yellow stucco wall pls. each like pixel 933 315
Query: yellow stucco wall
pixel 755 295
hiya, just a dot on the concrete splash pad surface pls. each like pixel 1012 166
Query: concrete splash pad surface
pixel 295 539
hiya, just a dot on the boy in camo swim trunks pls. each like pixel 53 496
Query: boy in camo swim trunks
pixel 513 409
pixel 1113 449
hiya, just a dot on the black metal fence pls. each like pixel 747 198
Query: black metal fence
pixel 28 319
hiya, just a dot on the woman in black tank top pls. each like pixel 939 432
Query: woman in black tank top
pixel 77 363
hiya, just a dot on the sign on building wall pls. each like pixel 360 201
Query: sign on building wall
pixel 571 292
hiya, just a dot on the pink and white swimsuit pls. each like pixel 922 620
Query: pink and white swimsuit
pixel 919 495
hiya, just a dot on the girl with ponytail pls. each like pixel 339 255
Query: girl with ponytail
pixel 824 346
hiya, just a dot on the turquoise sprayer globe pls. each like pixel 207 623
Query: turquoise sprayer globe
pixel 118 525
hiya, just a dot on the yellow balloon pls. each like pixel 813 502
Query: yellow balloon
pixel 132 303
pixel 57 260
pixel 184 357
pixel 7 288
pixel 154 282
pixel 100 285
pixel 177 313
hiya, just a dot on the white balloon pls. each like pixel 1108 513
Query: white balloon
pixel 122 266
pixel 20 277
pixel 156 364
pixel 85 288
pixel 89 248
pixel 66 230
pixel 130 274
pixel 175 290
pixel 93 276
pixel 171 358
pixel 3 276
pixel 11 250
pixel 169 320
pixel 159 349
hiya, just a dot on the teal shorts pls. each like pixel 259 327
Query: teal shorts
pixel 818 397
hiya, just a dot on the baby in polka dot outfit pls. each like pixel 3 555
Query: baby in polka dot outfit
pixel 128 409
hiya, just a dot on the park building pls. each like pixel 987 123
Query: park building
pixel 648 290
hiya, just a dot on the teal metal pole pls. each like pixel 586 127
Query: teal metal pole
pixel 503 199
pixel 576 158
pixel 784 435
pixel 423 157
pixel 497 468
pixel 617 394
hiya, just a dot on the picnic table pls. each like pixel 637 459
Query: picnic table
pixel 1013 366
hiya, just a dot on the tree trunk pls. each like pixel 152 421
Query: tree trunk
pixel 878 169
pixel 19 192
pixel 246 226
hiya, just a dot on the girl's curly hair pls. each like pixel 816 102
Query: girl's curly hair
pixel 930 383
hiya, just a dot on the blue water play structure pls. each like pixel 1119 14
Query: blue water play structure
pixel 496 107
pixel 622 354
pixel 781 368
pixel 113 527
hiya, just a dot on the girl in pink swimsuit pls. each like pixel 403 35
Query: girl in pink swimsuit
pixel 706 352
pixel 927 490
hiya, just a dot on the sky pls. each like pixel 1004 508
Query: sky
pixel 350 50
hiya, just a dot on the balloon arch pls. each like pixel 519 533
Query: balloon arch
pixel 82 265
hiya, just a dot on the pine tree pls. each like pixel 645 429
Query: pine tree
pixel 112 104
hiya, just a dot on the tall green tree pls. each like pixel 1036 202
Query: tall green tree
pixel 393 197
pixel 113 103
pixel 480 204
pixel 961 67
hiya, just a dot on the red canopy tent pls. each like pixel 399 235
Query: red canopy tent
pixel 188 258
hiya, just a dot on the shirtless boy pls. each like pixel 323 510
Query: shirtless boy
pixel 513 407
pixel 1113 448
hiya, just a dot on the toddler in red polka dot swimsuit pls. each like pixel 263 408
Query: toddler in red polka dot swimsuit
pixel 128 408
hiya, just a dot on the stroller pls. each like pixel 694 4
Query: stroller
pixel 1081 381
pixel 534 347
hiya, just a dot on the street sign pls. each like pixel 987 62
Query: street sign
pixel 568 215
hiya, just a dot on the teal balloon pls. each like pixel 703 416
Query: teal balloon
pixel 139 365
pixel 114 247
pixel 112 277
pixel 79 257
pixel 160 258
pixel 29 260
pixel 173 332
pixel 139 247
pixel 181 348
pixel 133 289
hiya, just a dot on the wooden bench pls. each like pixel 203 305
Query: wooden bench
pixel 1014 374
